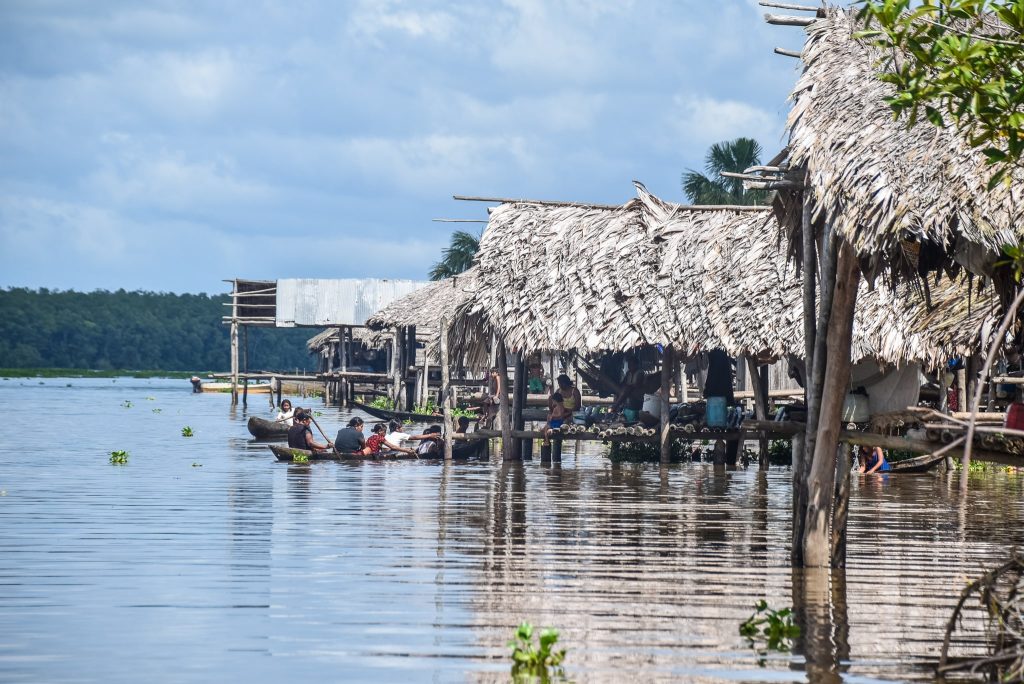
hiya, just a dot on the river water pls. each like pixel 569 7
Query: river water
pixel 202 559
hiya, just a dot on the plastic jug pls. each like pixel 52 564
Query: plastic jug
pixel 716 414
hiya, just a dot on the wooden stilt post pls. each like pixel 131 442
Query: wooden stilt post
pixel 234 363
pixel 396 363
pixel 841 505
pixel 760 409
pixel 409 385
pixel 518 401
pixel 667 362
pixel 245 365
pixel 503 407
pixel 821 480
pixel 447 400
pixel 343 350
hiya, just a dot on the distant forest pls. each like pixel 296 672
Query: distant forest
pixel 133 330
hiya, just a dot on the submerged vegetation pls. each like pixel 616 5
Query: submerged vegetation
pixel 535 661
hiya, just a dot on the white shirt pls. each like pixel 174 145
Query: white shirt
pixel 286 416
pixel 396 437
pixel 652 405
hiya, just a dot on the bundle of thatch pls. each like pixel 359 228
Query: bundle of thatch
pixel 883 186
pixel 425 307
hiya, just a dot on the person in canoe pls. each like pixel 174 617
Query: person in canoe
pixel 286 414
pixel 395 434
pixel 378 442
pixel 300 435
pixel 349 439
pixel 873 460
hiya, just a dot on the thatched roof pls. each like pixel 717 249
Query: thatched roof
pixel 320 343
pixel 651 272
pixel 873 178
pixel 425 307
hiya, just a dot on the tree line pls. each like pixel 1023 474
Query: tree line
pixel 104 330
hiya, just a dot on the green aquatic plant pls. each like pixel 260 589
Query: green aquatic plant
pixel 187 431
pixel 318 413
pixel 126 404
pixel 535 661
pixel 382 403
pixel 299 457
pixel 197 465
pixel 150 398
pixel 118 457
pixel 774 629
pixel 156 410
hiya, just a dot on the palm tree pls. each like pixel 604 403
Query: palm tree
pixel 457 257
pixel 735 156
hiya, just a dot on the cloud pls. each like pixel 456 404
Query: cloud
pixel 700 121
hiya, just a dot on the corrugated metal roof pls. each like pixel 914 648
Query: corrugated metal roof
pixel 349 301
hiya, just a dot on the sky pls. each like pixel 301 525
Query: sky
pixel 167 146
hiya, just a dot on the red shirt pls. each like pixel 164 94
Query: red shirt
pixel 375 443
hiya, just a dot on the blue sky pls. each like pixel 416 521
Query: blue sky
pixel 167 145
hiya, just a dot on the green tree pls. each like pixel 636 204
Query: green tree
pixel 734 156
pixel 457 257
pixel 958 62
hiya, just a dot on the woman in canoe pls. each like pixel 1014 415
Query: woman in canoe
pixel 300 435
pixel 378 442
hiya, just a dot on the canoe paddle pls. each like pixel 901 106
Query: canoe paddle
pixel 326 439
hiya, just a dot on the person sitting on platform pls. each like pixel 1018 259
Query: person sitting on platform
pixel 571 397
pixel 490 402
pixel 631 396
pixel 462 425
pixel 650 413
pixel 350 439
pixel 300 436
pixel 872 460
pixel 558 415
pixel 378 442
pixel 286 414
pixel 535 381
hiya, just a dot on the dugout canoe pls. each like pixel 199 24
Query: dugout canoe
pixel 918 464
pixel 267 429
pixel 475 449
pixel 403 416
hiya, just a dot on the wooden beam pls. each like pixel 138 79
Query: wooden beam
pixel 550 203
pixel 790 6
pixel 785 20
pixel 788 53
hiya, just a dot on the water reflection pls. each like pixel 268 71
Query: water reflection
pixel 372 572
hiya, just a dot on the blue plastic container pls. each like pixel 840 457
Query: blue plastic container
pixel 716 415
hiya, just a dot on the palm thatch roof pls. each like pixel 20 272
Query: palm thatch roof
pixel 320 343
pixel 874 179
pixel 599 279
pixel 425 307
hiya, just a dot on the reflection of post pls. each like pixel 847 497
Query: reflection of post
pixel 819 609
pixel 446 390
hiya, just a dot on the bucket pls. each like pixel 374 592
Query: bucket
pixel 716 414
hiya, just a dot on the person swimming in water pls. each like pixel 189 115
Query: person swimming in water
pixel 872 460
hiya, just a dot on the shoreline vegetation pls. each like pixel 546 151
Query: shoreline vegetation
pixel 87 373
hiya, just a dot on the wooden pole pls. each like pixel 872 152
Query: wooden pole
pixel 801 457
pixel 245 365
pixel 760 409
pixel 410 360
pixel 234 344
pixel 667 361
pixel 447 402
pixel 503 408
pixel 343 340
pixel 518 400
pixel 841 506
pixel 821 481
pixel 396 361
